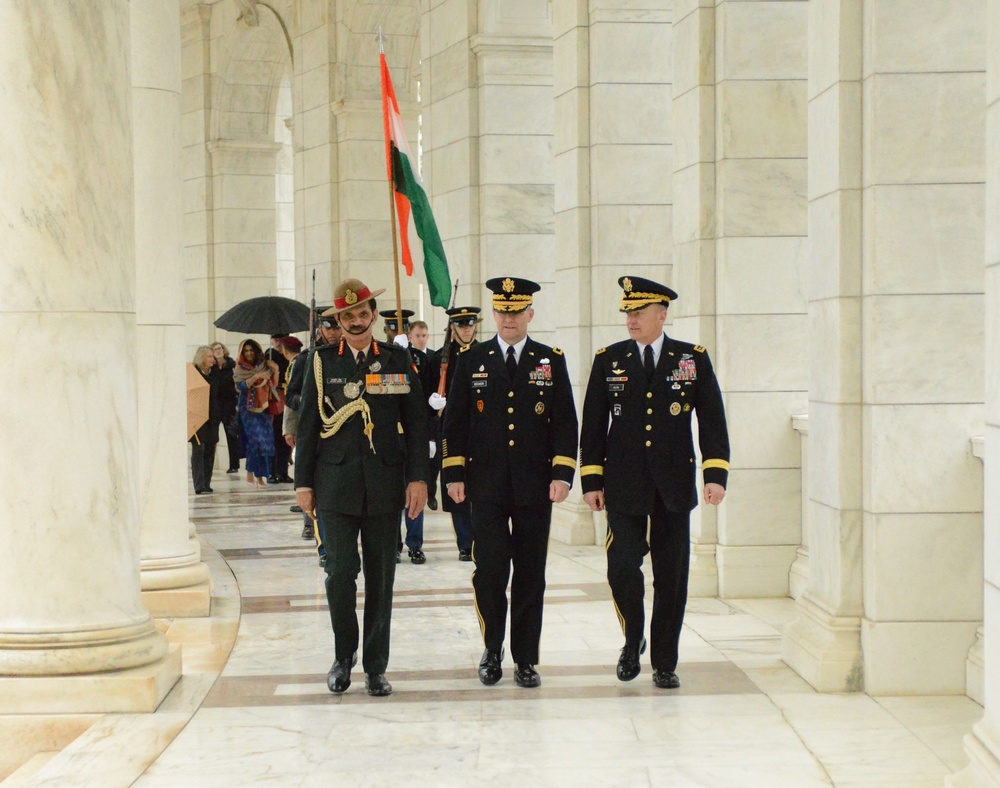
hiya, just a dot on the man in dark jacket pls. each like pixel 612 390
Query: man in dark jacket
pixel 463 322
pixel 642 469
pixel 509 447
pixel 362 457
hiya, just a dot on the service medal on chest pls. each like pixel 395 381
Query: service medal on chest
pixel 352 390
pixel 375 367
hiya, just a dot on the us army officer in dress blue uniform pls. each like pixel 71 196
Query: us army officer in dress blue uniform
pixel 362 457
pixel 509 446
pixel 642 469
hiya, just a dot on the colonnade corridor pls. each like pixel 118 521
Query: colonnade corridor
pixel 252 707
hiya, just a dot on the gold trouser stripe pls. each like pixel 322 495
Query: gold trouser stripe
pixel 475 600
pixel 715 464
pixel 316 533
pixel 621 618
pixel 559 459
pixel 608 540
pixel 451 462
pixel 591 470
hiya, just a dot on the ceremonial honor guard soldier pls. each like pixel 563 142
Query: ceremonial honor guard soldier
pixel 463 322
pixel 362 457
pixel 396 329
pixel 642 468
pixel 509 447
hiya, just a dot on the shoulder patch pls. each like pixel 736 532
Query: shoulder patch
pixel 597 353
pixel 699 348
pixel 557 351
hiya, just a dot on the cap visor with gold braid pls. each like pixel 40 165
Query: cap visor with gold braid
pixel 638 293
pixel 511 294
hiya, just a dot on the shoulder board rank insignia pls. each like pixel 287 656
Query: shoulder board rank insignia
pixel 465 348
pixel 597 353
pixel 699 348
pixel 557 351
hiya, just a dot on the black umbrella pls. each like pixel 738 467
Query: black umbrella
pixel 266 315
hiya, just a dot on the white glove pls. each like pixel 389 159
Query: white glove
pixel 436 401
pixel 434 448
pixel 402 340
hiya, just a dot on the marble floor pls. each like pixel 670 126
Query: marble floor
pixel 252 706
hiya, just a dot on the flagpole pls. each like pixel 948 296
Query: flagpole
pixel 380 37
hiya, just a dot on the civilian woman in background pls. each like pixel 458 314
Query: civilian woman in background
pixel 204 440
pixel 224 366
pixel 254 378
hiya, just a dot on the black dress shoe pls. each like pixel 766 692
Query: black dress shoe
pixel 199 492
pixel 339 677
pixel 272 479
pixel 490 671
pixel 307 531
pixel 525 675
pixel 464 555
pixel 295 508
pixel 233 470
pixel 286 479
pixel 432 504
pixel 665 679
pixel 322 560
pixel 628 662
pixel 417 556
pixel 208 490
pixel 378 685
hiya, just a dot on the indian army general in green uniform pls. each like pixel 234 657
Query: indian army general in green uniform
pixel 642 468
pixel 362 457
pixel 509 446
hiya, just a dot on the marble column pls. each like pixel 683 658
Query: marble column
pixel 823 643
pixel 983 744
pixel 74 635
pixel 693 116
pixel 174 580
pixel 571 205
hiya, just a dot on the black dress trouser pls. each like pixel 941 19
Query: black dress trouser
pixel 670 550
pixel 505 535
pixel 202 462
pixel 378 544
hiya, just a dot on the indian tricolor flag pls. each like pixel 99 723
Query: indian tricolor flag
pixel 419 237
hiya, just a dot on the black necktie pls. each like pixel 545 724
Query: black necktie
pixel 511 361
pixel 361 359
pixel 647 362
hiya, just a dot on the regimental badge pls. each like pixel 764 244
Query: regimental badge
pixel 675 408
pixel 480 405
pixel 540 408
pixel 375 367
pixel 508 285
pixel 687 408
pixel 350 296
pixel 352 390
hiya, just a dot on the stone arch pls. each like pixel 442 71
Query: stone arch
pixel 400 23
pixel 255 56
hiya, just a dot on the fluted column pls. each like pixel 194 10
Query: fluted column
pixel 174 580
pixel 74 635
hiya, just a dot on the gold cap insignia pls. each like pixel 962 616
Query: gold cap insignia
pixel 627 285
pixel 508 285
pixel 350 296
